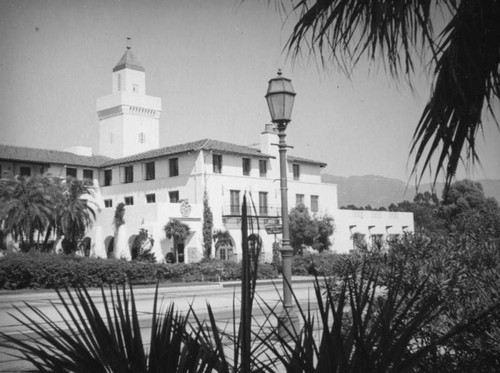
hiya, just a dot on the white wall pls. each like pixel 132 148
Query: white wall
pixel 348 222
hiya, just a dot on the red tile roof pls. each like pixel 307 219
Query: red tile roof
pixel 206 144
pixel 45 156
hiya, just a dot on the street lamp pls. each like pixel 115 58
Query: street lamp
pixel 280 97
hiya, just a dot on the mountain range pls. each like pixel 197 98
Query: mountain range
pixel 379 191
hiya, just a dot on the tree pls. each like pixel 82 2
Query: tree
pixel 25 208
pixel 42 205
pixel 466 209
pixel 142 247
pixel 463 59
pixel 73 213
pixel 208 225
pixel 309 231
pixel 120 244
pixel 302 228
pixel 176 229
pixel 326 228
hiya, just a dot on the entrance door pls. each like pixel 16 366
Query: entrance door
pixel 180 252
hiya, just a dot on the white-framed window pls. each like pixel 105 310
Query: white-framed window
pixel 377 240
pixel 173 196
pixel 246 165
pixel 150 198
pixel 149 171
pixel 235 202
pixel 25 171
pixel 108 203
pixel 217 163
pixel 173 165
pixel 108 177
pixel 262 167
pixel 299 199
pixel 296 171
pixel 128 174
pixel 88 176
pixel 263 208
pixel 314 203
pixel 129 200
pixel 71 172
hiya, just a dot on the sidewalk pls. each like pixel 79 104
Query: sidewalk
pixel 224 299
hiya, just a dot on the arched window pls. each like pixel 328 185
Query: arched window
pixel 224 246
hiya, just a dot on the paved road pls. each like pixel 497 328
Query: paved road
pixel 221 297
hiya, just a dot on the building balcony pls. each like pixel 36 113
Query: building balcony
pixel 260 211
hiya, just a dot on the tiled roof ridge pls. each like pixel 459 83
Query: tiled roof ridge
pixel 99 161
pixel 49 156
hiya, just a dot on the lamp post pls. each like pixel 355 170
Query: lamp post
pixel 280 97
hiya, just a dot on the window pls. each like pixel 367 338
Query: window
pixel 217 163
pixel 225 252
pixel 142 138
pixel 25 171
pixel 108 203
pixel 129 201
pixel 71 172
pixel 151 198
pixel 358 240
pixel 263 203
pixel 150 171
pixel 314 203
pixel 108 176
pixel 173 164
pixel 299 199
pixel 235 202
pixel 129 174
pixel 135 88
pixel 246 166
pixel 262 167
pixel 296 171
pixel 88 175
pixel 377 240
pixel 174 196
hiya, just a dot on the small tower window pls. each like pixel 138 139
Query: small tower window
pixel 135 88
pixel 142 138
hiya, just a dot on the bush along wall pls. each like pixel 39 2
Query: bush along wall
pixel 38 270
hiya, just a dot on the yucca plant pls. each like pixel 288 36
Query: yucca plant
pixel 362 327
pixel 87 341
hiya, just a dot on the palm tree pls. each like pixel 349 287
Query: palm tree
pixel 463 58
pixel 74 213
pixel 25 208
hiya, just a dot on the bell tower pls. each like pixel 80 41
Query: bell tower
pixel 129 120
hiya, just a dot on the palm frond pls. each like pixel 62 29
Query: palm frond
pixel 466 84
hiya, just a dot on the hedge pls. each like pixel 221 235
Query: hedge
pixel 39 270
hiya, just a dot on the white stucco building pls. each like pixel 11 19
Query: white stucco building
pixel 159 184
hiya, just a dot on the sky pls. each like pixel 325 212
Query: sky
pixel 210 62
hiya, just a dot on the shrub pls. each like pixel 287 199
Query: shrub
pixel 321 264
pixel 142 247
pixel 34 270
pixel 41 270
